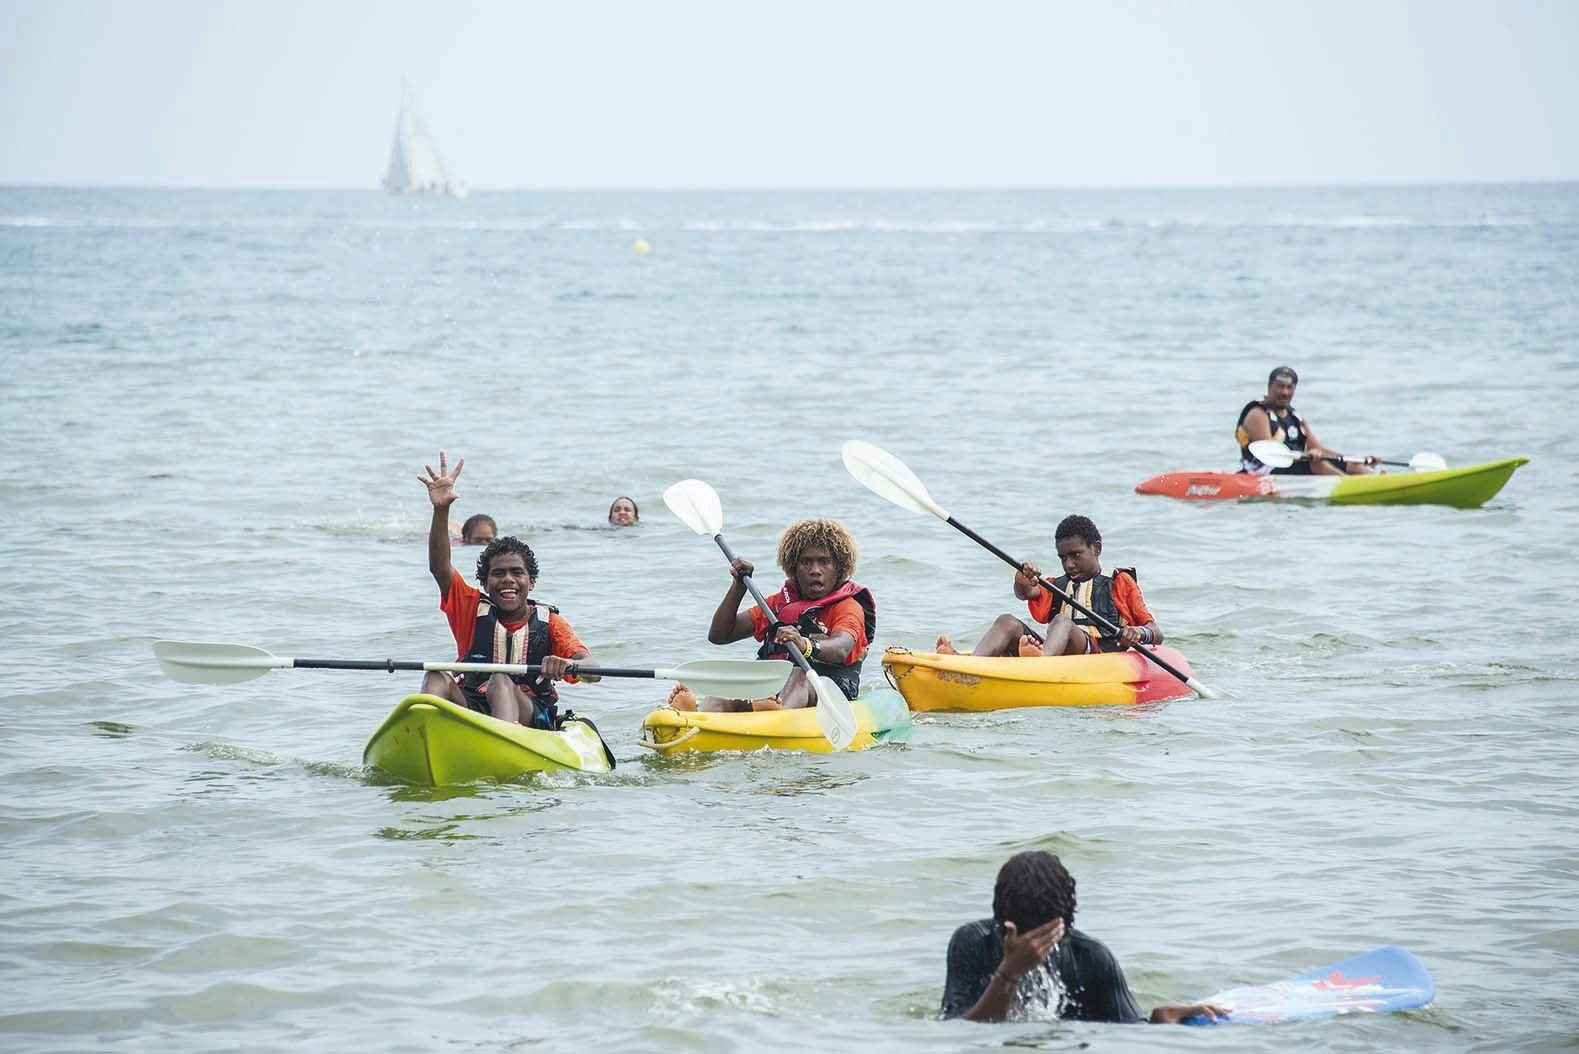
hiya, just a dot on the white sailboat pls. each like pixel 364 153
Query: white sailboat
pixel 414 165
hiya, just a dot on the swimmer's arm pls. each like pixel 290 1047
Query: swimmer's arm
pixel 1021 955
pixel 1178 1013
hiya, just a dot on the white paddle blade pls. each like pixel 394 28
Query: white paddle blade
pixel 729 678
pixel 1271 452
pixel 1425 461
pixel 835 716
pixel 697 506
pixel 197 662
pixel 889 478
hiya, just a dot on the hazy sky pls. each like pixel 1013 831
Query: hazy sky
pixel 792 93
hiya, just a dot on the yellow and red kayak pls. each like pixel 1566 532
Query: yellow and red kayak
pixel 882 717
pixel 1465 487
pixel 434 743
pixel 968 682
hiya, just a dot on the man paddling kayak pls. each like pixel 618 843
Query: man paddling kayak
pixel 1028 959
pixel 502 627
pixel 1115 597
pixel 1274 417
pixel 819 612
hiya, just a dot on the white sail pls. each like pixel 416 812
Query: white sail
pixel 414 165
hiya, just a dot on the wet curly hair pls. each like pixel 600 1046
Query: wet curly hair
pixel 1033 888
pixel 508 544
pixel 798 537
pixel 1078 527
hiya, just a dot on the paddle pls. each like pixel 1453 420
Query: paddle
pixel 886 476
pixel 697 505
pixel 201 662
pixel 1271 452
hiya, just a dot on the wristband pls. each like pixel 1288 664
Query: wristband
pixel 807 647
pixel 1012 982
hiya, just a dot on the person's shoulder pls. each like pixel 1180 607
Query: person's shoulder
pixel 460 590
pixel 972 933
pixel 1089 948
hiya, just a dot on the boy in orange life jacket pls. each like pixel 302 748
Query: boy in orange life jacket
pixel 505 627
pixel 820 613
pixel 1116 597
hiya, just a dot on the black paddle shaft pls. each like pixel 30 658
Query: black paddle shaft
pixel 1065 597
pixel 392 665
pixel 800 660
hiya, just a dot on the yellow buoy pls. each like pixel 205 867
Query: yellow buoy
pixel 641 246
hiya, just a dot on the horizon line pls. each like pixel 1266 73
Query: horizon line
pixel 374 188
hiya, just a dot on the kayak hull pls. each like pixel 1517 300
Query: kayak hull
pixel 1465 487
pixel 932 682
pixel 431 742
pixel 881 717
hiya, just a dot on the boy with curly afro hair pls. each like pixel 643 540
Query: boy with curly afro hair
pixel 819 612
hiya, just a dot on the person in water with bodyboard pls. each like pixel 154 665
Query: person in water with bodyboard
pixel 1115 597
pixel 498 623
pixel 819 612
pixel 1028 960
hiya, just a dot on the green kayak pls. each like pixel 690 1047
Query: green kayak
pixel 1467 487
pixel 434 743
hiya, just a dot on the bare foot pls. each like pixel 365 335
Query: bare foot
pixel 682 698
pixel 944 646
pixel 772 702
pixel 1030 647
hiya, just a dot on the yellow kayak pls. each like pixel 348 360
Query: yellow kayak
pixel 969 682
pixel 434 743
pixel 881 715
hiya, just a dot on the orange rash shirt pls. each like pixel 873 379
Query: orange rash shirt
pixel 845 616
pixel 459 605
pixel 1126 596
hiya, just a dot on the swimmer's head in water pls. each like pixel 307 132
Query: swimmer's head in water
pixel 507 544
pixel 1033 888
pixel 479 530
pixel 622 513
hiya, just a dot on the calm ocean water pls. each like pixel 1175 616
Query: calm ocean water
pixel 216 405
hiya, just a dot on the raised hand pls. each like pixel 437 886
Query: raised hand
pixel 441 484
pixel 1023 953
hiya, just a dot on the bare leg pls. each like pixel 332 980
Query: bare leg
pixel 795 694
pixel 436 682
pixel 1002 637
pixel 1064 638
pixel 713 704
pixel 509 702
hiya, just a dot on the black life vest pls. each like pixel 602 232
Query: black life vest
pixel 846 675
pixel 1096 594
pixel 529 646
pixel 1286 430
